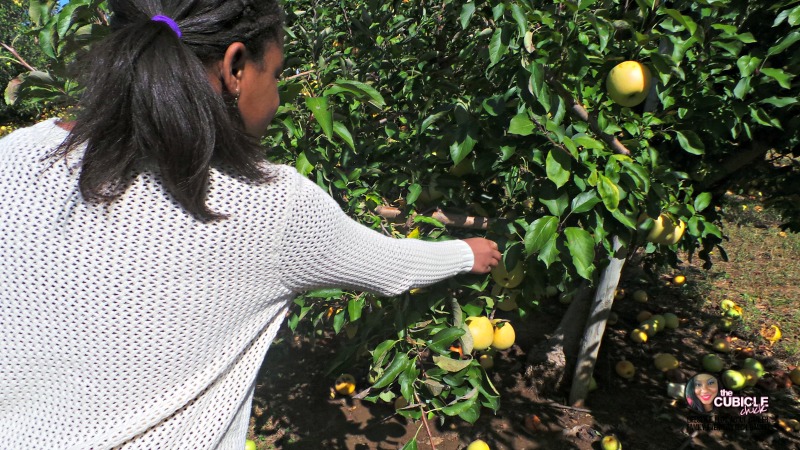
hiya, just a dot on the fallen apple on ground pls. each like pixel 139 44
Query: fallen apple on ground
pixel 638 335
pixel 734 380
pixel 665 362
pixel 611 443
pixel 640 296
pixel 478 445
pixel 671 321
pixel 625 369
pixel 713 363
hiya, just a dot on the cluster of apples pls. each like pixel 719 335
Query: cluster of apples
pixel 497 334
pixel 651 324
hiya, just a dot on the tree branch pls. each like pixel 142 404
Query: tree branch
pixel 395 215
pixel 578 111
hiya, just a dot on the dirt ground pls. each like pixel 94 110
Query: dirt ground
pixel 294 409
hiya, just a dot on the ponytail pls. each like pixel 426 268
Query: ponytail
pixel 148 104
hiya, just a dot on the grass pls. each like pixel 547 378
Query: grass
pixel 762 274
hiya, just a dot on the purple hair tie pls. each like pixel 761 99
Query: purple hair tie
pixel 168 21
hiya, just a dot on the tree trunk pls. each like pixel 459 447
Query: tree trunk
pixel 550 360
pixel 596 325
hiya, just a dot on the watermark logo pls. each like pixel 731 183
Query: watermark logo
pixel 705 395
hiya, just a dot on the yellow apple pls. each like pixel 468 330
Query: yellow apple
pixel 640 296
pixel 504 335
pixel 638 335
pixel 345 384
pixel 610 443
pixel 625 369
pixel 508 279
pixel 722 345
pixel 249 445
pixel 478 445
pixel 482 331
pixel 665 362
pixel 628 83
pixel 666 230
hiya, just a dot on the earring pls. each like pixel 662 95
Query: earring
pixel 236 100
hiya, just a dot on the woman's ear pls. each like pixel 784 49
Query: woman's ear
pixel 232 67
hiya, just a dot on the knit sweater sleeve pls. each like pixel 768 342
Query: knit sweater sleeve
pixel 322 247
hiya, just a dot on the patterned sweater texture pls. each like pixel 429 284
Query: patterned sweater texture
pixel 135 326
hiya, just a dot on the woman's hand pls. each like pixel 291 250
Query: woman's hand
pixel 486 254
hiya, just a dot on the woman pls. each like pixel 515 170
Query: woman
pixel 149 255
pixel 701 391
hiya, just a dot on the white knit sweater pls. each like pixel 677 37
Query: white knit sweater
pixel 135 326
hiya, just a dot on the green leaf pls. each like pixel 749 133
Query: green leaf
pixel 46 42
pixel 381 350
pixel 521 125
pixel 363 91
pixel 441 341
pixel 497 48
pixel 783 78
pixel 466 14
pixel 462 147
pixel 459 406
pixel 410 445
pixel 702 201
pixel 450 364
pixel 354 308
pixel 398 365
pixel 519 17
pixel 407 379
pixel 341 130
pixel 691 142
pixel 748 64
pixel 742 88
pixel 558 165
pixel 472 413
pixel 323 116
pixel 549 253
pixel 431 119
pixel 784 43
pixel 302 165
pixel 540 232
pixel 780 102
pixel 609 192
pixel 583 202
pixel 556 205
pixel 686 21
pixel 413 193
pixel 581 248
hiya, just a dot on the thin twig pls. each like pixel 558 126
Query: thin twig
pixel 425 421
pixel 17 57
pixel 298 75
pixel 571 408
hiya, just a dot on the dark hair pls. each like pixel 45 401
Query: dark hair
pixel 148 104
